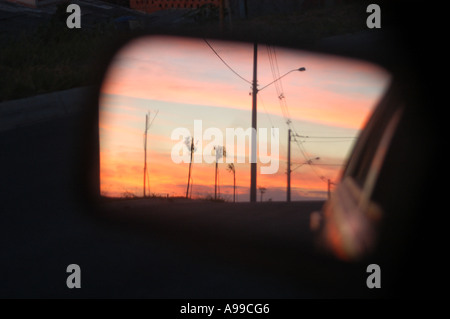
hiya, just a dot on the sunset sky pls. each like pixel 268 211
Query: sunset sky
pixel 181 80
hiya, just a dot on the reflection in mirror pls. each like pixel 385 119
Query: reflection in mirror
pixel 176 119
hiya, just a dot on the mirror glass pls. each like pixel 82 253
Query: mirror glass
pixel 176 119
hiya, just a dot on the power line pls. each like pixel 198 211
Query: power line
pixel 273 61
pixel 271 53
pixel 306 157
pixel 232 70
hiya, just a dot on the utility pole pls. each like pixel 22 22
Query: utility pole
pixel 234 186
pixel 190 165
pixel 253 150
pixel 288 191
pixel 289 170
pixel 145 151
pixel 232 169
pixel 215 182
pixel 255 91
pixel 218 182
pixel 147 126
pixel 220 153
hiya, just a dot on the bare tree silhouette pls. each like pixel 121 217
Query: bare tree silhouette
pixel 232 169
pixel 189 142
pixel 148 124
pixel 262 190
pixel 220 153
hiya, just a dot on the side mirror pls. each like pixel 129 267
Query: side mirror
pixel 176 119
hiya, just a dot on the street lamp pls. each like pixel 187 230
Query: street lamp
pixel 299 69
